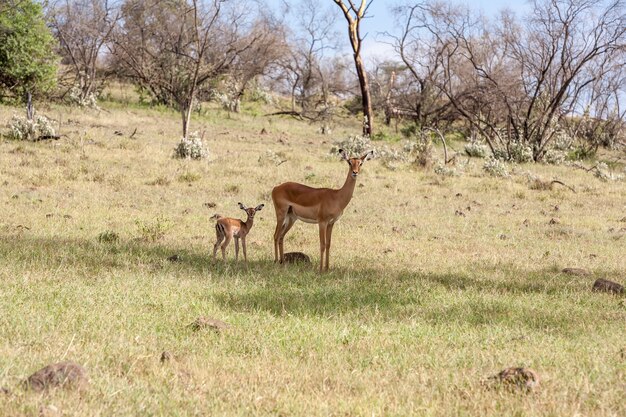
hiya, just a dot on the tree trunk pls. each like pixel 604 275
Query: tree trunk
pixel 185 111
pixel 368 114
pixel 30 111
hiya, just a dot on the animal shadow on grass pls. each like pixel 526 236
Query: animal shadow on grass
pixel 300 290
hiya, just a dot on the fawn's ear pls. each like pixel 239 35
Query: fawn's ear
pixel 259 207
pixel 367 156
pixel 241 206
pixel 344 155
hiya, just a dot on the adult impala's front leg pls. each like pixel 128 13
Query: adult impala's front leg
pixel 329 233
pixel 323 230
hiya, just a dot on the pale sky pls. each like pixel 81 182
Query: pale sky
pixel 381 19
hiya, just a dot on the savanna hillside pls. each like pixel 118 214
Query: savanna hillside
pixel 437 282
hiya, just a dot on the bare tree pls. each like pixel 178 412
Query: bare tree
pixel 84 28
pixel 414 91
pixel 515 82
pixel 354 15
pixel 174 49
pixel 306 73
pixel 266 40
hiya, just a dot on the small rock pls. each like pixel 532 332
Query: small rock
pixel 5 391
pixel 604 285
pixel 209 204
pixel 459 195
pixel 62 374
pixel 49 215
pixel 118 133
pixel 387 251
pixel 396 229
pixel 526 223
pixel 174 258
pixel 554 221
pixel 263 131
pixel 166 356
pixel 296 257
pixel 459 213
pixel 503 237
pixel 524 378
pixel 579 272
pixel 623 220
pixel 209 323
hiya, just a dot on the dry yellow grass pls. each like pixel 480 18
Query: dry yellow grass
pixel 435 284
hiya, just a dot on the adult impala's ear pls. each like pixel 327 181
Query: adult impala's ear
pixel 344 155
pixel 241 206
pixel 367 156
pixel 259 207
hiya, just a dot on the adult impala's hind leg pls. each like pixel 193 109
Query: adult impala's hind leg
pixel 287 225
pixel 280 220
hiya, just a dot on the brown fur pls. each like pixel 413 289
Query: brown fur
pixel 324 206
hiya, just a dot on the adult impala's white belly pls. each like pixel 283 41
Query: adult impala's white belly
pixel 304 219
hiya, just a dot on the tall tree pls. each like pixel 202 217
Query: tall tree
pixel 28 63
pixel 354 15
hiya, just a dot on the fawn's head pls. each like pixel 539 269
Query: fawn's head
pixel 250 211
pixel 355 163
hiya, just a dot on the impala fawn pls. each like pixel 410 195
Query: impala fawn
pixel 226 228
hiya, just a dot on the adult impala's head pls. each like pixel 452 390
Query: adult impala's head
pixel 250 211
pixel 355 163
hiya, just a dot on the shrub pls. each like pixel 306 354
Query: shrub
pixel 421 149
pixel 496 168
pixel 272 158
pixel 603 173
pixel 353 145
pixel 390 157
pixel 554 157
pixel 23 129
pixel 77 98
pixel 108 237
pixel 445 171
pixel 476 149
pixel 191 147
pixel 155 230
pixel 520 153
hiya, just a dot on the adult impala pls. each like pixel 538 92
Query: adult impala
pixel 323 206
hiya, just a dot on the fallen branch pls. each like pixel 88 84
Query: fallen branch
pixel 133 134
pixel 563 184
pixel 46 137
pixel 289 113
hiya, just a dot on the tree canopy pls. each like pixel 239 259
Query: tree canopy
pixel 27 59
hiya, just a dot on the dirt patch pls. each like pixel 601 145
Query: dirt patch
pixel 202 323
pixel 604 285
pixel 62 374
pixel 296 257
pixel 516 379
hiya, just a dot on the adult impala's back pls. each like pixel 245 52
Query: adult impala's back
pixel 323 206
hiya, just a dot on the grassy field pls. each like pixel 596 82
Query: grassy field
pixel 436 283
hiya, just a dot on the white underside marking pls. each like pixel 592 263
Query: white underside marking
pixel 305 219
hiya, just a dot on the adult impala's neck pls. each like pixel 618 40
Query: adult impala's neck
pixel 345 192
